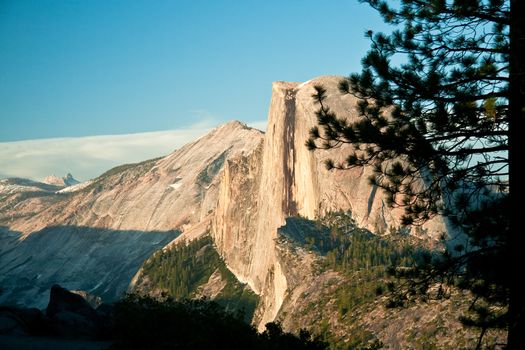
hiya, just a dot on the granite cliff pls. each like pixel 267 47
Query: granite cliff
pixel 284 179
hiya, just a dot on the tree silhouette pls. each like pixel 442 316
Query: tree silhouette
pixel 441 131
pixel 143 322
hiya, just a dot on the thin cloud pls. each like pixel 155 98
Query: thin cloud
pixel 88 157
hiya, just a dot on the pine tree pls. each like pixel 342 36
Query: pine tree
pixel 442 131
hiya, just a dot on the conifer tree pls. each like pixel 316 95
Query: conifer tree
pixel 441 108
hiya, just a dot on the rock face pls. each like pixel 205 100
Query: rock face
pixel 68 315
pixel 284 179
pixel 236 183
pixel 100 261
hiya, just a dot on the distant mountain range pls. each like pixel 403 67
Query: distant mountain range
pixel 64 181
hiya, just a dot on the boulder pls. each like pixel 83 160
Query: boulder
pixel 70 315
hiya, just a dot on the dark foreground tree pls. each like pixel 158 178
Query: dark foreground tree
pixel 142 322
pixel 442 108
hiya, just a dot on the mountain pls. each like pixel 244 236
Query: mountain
pixel 13 186
pixel 50 185
pixel 174 192
pixel 243 217
pixel 65 181
pixel 284 180
pixel 96 237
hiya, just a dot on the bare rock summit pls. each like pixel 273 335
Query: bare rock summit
pixel 64 181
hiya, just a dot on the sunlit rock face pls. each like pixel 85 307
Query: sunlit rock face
pixel 281 179
pixel 311 190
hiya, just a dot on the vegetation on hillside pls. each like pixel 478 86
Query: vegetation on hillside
pixel 182 269
pixel 357 305
pixel 363 261
pixel 365 258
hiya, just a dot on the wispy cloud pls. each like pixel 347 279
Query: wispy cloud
pixel 88 157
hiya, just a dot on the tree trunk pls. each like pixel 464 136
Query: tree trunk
pixel 516 335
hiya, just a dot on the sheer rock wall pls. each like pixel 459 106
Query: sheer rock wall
pixel 284 179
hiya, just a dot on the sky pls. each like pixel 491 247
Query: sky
pixel 74 68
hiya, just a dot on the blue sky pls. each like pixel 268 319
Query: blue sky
pixel 98 67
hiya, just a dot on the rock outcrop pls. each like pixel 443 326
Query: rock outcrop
pixel 67 316
pixel 64 181
pixel 70 315
pixel 22 321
